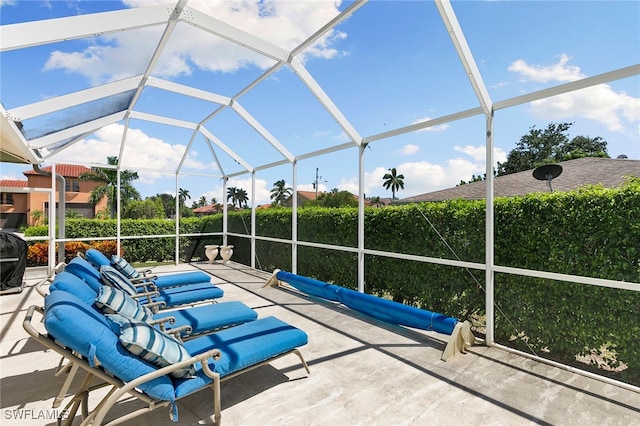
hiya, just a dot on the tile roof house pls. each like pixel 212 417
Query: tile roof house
pixel 17 203
pixel 208 209
pixel 608 172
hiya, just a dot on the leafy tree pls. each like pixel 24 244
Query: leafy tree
pixel 280 193
pixel 550 145
pixel 394 181
pixel 582 146
pixel 168 203
pixel 109 180
pixel 147 209
pixel 474 178
pixel 375 201
pixel 334 198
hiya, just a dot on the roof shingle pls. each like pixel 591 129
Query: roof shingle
pixel 608 172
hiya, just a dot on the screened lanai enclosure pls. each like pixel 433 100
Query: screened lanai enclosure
pixel 200 98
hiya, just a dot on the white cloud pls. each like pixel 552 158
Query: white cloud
pixel 285 24
pixel 438 128
pixel 409 149
pixel 11 176
pixel 600 103
pixel 478 153
pixel 421 177
pixel 321 133
pixel 141 152
pixel 560 71
pixel 309 187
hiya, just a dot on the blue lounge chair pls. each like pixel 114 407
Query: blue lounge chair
pixel 148 295
pixel 107 352
pixel 188 321
pixel 181 323
pixel 97 259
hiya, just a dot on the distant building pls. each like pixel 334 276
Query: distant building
pixel 17 203
pixel 207 210
pixel 609 172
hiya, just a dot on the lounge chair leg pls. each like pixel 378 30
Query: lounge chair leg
pixel 217 405
pixel 304 363
pixel 73 369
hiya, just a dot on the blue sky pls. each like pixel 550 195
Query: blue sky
pixel 389 65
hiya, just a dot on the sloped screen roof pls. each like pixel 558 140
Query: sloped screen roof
pixel 226 89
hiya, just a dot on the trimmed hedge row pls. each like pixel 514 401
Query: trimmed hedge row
pixel 591 232
pixel 141 250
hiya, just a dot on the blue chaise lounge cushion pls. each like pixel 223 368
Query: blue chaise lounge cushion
pixel 80 327
pixel 241 346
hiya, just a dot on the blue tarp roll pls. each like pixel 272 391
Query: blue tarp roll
pixel 376 307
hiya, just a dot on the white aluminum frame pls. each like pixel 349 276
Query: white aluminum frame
pixel 18 36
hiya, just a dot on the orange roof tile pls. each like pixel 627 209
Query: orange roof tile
pixel 206 209
pixel 66 170
pixel 13 183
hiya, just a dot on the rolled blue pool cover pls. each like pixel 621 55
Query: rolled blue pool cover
pixel 373 306
pixel 310 286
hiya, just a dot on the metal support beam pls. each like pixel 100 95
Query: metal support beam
pixel 325 101
pixel 361 240
pixel 294 219
pixel 253 219
pixel 489 237
pixel 460 43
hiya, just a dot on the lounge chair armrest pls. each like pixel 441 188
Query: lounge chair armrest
pixel 213 353
pixel 146 294
pixel 180 332
pixel 107 403
pixel 146 286
pixel 146 272
pixel 156 306
pixel 170 320
pixel 144 279
pixel 43 286
pixel 26 323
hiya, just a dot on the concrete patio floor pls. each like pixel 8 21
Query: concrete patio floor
pixel 363 372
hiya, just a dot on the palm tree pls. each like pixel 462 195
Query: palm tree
pixel 280 194
pixel 183 194
pixel 109 179
pixel 242 197
pixel 394 181
pixel 232 194
pixel 202 202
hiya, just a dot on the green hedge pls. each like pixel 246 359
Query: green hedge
pixel 592 232
pixel 141 250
